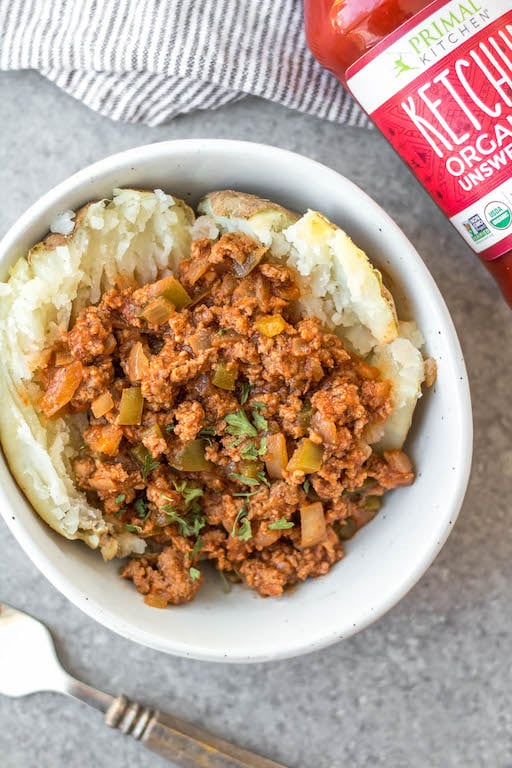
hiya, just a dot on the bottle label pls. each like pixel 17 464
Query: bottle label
pixel 440 89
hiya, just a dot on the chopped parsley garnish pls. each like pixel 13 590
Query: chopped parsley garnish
pixel 247 494
pixel 280 525
pixel 242 525
pixel 148 465
pixel 222 331
pixel 133 528
pixel 257 406
pixel 260 421
pixel 197 547
pixel 244 479
pixel 120 511
pixel 142 509
pixel 239 424
pixel 306 485
pixel 207 433
pixel 244 530
pixel 188 494
pixel 246 388
pixel 119 499
pixel 170 427
pixel 194 573
pixel 250 452
pixel 262 479
pixel 187 527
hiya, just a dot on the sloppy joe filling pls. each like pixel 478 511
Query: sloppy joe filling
pixel 221 426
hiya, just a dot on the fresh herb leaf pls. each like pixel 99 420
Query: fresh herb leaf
pixel 249 452
pixel 222 331
pixel 194 509
pixel 190 527
pixel 148 466
pixel 197 525
pixel 260 421
pixel 119 499
pixel 257 406
pixel 246 388
pixel 306 485
pixel 236 442
pixel 207 432
pixel 142 509
pixel 247 494
pixel 197 547
pixel 238 525
pixel 170 427
pixel 133 528
pixel 120 511
pixel 194 573
pixel 239 424
pixel 262 479
pixel 244 479
pixel 245 530
pixel 189 494
pixel 280 525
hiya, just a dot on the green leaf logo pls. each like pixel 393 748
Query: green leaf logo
pixel 401 66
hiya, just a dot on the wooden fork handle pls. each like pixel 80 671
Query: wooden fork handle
pixel 181 743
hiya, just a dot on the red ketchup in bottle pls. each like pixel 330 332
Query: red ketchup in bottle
pixel 436 78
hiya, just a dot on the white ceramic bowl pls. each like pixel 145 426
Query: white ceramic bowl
pixel 389 555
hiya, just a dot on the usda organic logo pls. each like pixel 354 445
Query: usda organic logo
pixel 498 215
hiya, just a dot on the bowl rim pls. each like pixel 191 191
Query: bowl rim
pixel 54 574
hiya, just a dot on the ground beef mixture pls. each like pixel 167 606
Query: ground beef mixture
pixel 221 425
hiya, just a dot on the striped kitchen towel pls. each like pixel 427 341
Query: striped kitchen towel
pixel 150 60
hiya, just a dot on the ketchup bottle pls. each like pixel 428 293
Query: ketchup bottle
pixel 436 78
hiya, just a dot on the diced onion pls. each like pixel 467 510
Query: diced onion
pixel 157 311
pixel 102 405
pixel 312 523
pixel 276 458
pixel 200 341
pixel 252 260
pixel 325 428
pixel 138 363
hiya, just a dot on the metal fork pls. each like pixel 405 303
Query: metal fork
pixel 29 664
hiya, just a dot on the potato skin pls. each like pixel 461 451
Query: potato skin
pixel 231 204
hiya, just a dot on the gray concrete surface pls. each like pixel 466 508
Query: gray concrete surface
pixel 430 684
